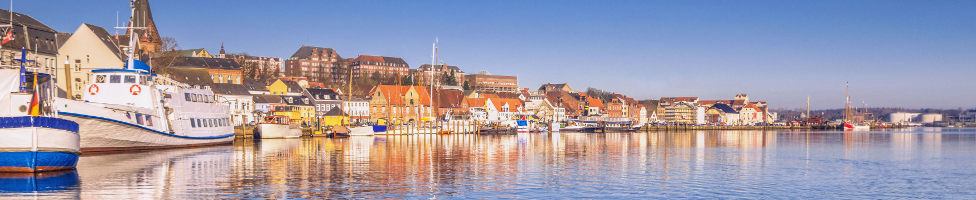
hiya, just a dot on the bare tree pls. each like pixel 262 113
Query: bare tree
pixel 169 44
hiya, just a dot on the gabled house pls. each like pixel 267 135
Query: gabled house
pixel 89 48
pixel 450 104
pixel 299 109
pixel 400 103
pixel 325 100
pixel 722 114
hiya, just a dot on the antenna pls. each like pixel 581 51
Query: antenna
pixel 132 36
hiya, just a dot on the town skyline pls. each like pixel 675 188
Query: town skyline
pixel 927 46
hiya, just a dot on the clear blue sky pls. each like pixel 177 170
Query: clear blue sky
pixel 893 53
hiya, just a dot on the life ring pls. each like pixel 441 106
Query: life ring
pixel 135 89
pixel 93 89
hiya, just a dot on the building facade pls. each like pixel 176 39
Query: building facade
pixel 366 66
pixel 492 83
pixel 318 64
pixel 438 72
pixel 89 48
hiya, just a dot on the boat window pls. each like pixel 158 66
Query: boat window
pixel 139 118
pixel 193 123
pixel 187 95
pixel 199 123
pixel 100 79
pixel 149 120
pixel 130 79
pixel 115 78
pixel 142 80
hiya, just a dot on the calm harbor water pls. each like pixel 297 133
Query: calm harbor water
pixel 910 163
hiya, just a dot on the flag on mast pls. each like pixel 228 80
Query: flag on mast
pixel 35 106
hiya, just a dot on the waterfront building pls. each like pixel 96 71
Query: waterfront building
pixel 506 108
pixel 89 48
pixel 318 64
pixel 38 39
pixel 593 106
pixel 299 109
pixel 334 117
pixel 238 99
pixel 665 102
pixel 573 108
pixel 400 103
pixel 366 66
pixel 438 72
pixel 615 108
pixel 264 104
pixel 481 109
pixel 484 82
pixel 325 100
pixel 681 112
pixel 450 104
pixel 722 114
pixel 357 108
pixel 751 114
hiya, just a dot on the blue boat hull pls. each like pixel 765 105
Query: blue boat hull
pixel 379 128
pixel 32 161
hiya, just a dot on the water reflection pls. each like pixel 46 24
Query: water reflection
pixel 695 164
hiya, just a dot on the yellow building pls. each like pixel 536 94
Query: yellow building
pixel 299 109
pixel 281 87
pixel 333 118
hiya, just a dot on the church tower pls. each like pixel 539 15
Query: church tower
pixel 149 40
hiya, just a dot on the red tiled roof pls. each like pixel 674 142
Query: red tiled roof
pixel 394 93
pixel 476 102
pixel 513 104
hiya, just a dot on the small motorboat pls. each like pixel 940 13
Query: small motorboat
pixel 277 127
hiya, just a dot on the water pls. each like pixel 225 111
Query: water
pixel 915 163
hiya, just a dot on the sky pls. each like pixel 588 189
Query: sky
pixel 912 54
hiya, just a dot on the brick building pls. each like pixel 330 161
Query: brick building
pixel 438 72
pixel 318 64
pixel 366 66
pixel 492 83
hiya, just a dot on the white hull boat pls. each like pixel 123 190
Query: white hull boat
pixel 276 131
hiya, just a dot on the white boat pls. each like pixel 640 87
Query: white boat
pixel 554 126
pixel 275 127
pixel 361 131
pixel 33 139
pixel 132 108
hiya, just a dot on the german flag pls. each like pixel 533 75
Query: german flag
pixel 35 104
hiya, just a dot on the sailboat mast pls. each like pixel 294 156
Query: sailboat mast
pixel 433 63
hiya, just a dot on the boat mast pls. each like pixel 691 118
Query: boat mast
pixel 130 63
pixel 433 62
